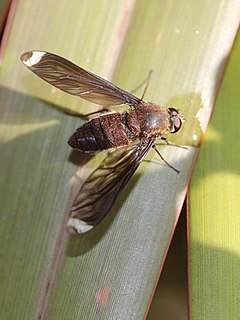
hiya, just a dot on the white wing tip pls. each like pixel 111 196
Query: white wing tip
pixel 76 226
pixel 31 58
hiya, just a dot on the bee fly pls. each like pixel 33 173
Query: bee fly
pixel 131 133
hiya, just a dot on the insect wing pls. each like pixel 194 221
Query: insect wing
pixel 102 187
pixel 74 80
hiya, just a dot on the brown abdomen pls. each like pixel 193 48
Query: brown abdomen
pixel 101 133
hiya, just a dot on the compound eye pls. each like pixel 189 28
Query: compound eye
pixel 176 122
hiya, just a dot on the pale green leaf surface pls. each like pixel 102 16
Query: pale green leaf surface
pixel 214 206
pixel 88 33
pixel 109 273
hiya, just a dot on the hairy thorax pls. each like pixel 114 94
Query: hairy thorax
pixel 147 120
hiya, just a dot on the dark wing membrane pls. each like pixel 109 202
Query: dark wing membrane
pixel 101 189
pixel 72 79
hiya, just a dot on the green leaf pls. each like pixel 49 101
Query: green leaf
pixel 111 271
pixel 214 204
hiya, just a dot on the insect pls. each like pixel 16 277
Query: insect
pixel 131 134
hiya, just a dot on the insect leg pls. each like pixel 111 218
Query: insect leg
pixel 94 113
pixel 147 82
pixel 176 170
pixel 171 143
pixel 142 83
